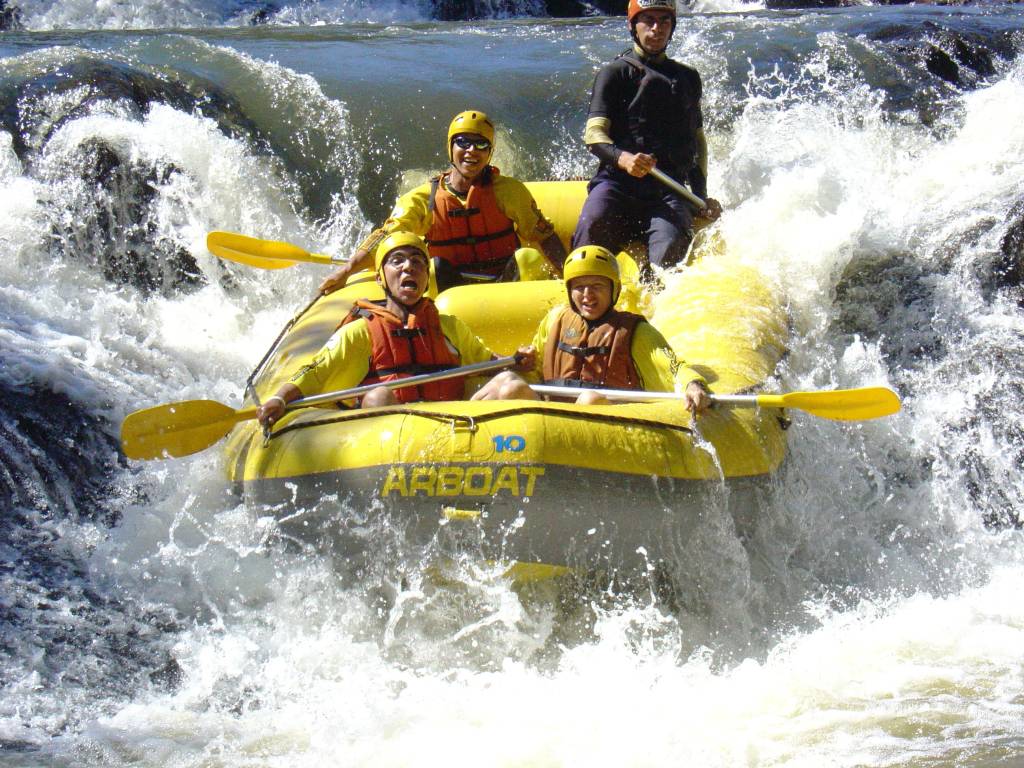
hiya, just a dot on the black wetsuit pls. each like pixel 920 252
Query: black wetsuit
pixel 653 105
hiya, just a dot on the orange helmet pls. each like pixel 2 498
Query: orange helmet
pixel 639 6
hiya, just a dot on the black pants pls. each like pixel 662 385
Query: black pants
pixel 621 209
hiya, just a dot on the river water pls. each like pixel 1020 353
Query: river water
pixel 870 159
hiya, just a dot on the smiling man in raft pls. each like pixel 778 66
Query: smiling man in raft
pixel 473 219
pixel 591 345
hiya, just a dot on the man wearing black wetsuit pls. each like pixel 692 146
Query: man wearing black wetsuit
pixel 645 110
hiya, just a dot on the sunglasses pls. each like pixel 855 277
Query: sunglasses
pixel 464 142
pixel 415 260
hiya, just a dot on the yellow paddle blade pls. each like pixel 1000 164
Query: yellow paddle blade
pixel 178 429
pixel 840 404
pixel 264 254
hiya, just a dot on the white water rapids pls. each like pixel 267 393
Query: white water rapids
pixel 872 618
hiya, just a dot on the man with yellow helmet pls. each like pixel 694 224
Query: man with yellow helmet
pixel 644 111
pixel 590 344
pixel 403 335
pixel 473 218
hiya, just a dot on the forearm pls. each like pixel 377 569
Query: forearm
pixel 288 392
pixel 599 142
pixel 698 176
pixel 554 251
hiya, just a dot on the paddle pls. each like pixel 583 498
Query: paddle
pixel 265 254
pixel 839 404
pixel 675 186
pixel 181 429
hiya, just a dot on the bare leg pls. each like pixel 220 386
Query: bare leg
pixel 506 386
pixel 379 397
pixel 590 397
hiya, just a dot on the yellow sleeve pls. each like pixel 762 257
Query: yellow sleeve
pixel 411 212
pixel 656 362
pixel 471 350
pixel 598 131
pixel 516 202
pixel 342 363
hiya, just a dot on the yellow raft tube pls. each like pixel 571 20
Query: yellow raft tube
pixel 537 482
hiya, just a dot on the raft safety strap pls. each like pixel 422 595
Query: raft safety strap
pixel 474 239
pixel 408 333
pixel 471 421
pixel 584 351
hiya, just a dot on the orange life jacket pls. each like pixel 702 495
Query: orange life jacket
pixel 579 355
pixel 473 236
pixel 403 350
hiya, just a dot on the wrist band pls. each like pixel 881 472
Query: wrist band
pixel 276 397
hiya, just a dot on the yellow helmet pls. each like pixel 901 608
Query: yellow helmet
pixel 590 260
pixel 397 240
pixel 470 121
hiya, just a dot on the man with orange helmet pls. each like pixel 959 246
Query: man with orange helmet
pixel 644 111
pixel 473 219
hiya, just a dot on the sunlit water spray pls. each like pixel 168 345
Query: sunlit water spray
pixel 867 617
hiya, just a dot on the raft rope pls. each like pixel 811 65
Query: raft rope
pixel 471 421
pixel 250 387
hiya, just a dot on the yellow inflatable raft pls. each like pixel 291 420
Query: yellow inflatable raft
pixel 536 482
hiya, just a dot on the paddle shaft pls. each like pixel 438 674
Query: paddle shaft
pixel 678 188
pixel 623 395
pixel 412 381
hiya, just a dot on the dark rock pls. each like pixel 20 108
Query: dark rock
pixel 958 60
pixel 169 676
pixel 575 8
pixel 463 10
pixel 258 17
pixel 1008 269
pixel 10 16
pixel 27 107
pixel 782 5
pixel 114 227
pixel 56 459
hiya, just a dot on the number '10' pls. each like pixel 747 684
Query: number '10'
pixel 512 443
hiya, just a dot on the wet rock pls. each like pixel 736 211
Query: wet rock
pixel 889 298
pixel 34 108
pixel 780 5
pixel 115 226
pixel 10 16
pixel 1008 269
pixel 575 8
pixel 56 459
pixel 460 10
pixel 258 12
pixel 169 676
pixel 958 59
